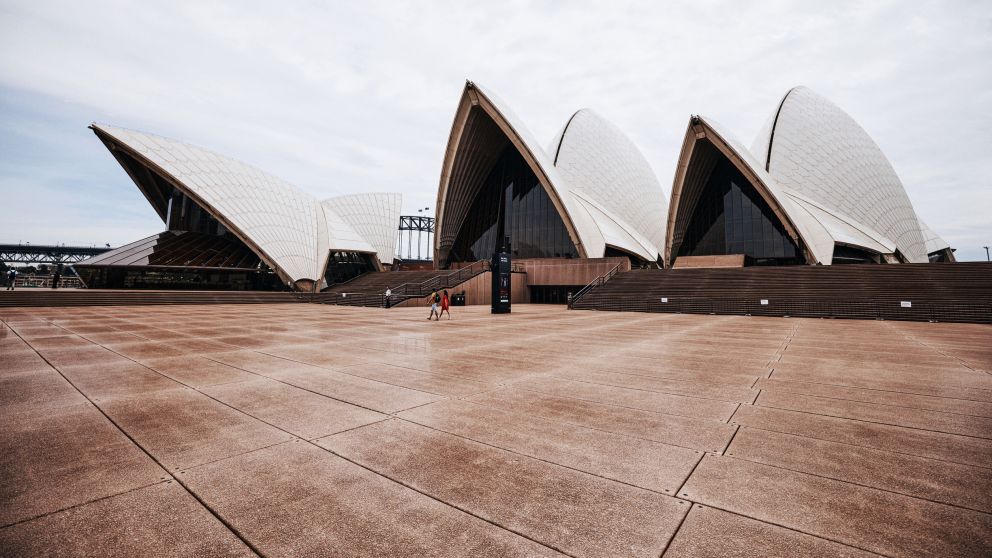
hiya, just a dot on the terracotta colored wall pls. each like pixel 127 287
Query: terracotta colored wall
pixel 478 290
pixel 731 260
pixel 556 271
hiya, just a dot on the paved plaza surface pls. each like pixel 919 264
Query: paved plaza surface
pixel 309 430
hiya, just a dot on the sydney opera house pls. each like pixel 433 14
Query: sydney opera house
pixel 813 189
pixel 232 226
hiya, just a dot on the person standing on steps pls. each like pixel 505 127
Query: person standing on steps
pixel 389 293
pixel 11 276
pixel 445 303
pixel 435 298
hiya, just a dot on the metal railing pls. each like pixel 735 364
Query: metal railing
pixel 404 291
pixel 946 310
pixel 601 280
pixel 45 281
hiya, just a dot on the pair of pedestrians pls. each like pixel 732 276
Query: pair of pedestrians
pixel 445 303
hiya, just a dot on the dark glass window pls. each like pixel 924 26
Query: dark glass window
pixel 732 218
pixel 184 214
pixel 344 266
pixel 851 255
pixel 512 203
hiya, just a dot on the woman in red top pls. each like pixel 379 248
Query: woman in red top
pixel 444 305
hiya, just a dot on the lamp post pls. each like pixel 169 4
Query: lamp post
pixel 986 253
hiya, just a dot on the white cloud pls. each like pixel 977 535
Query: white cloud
pixel 346 97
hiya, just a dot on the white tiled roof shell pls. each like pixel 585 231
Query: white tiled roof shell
pixel 820 152
pixel 819 227
pixel 932 240
pixel 814 235
pixel 585 226
pixel 290 227
pixel 598 160
pixel 374 216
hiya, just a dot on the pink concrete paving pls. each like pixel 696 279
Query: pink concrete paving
pixel 299 429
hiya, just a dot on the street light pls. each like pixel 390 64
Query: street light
pixel 986 253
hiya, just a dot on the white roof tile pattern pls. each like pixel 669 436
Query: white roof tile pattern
pixel 600 162
pixel 820 152
pixel 932 240
pixel 600 178
pixel 374 216
pixel 288 227
pixel 819 227
pixel 590 239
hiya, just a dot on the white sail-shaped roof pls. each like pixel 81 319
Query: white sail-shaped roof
pixel 600 164
pixel 287 227
pixel 932 241
pixel 595 177
pixel 814 148
pixel 374 216
pixel 814 225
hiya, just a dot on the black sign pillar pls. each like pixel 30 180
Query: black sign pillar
pixel 500 271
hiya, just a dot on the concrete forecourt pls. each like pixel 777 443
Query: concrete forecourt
pixel 304 429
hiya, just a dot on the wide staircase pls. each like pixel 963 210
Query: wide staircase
pixel 369 289
pixel 104 297
pixel 959 292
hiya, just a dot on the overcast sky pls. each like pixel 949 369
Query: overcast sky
pixel 340 97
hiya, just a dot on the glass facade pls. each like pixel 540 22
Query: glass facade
pixel 102 277
pixel 552 294
pixel 344 266
pixel 851 255
pixel 512 203
pixel 732 218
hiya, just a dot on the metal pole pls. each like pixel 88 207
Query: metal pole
pixel 986 253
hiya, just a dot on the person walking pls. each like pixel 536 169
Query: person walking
pixel 445 303
pixel 11 276
pixel 435 298
pixel 389 293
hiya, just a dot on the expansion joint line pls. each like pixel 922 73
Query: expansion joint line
pixel 144 450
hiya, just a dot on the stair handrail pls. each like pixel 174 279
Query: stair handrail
pixel 602 279
pixel 457 276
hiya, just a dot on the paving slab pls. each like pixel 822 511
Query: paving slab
pixel 882 397
pixel 867 518
pixel 371 394
pixel 708 390
pixel 923 443
pixel 635 399
pixel 711 533
pixel 317 354
pixel 699 434
pixel 144 350
pixel 198 371
pixel 940 481
pixel 161 520
pixel 21 360
pixel 55 458
pixel 579 514
pixel 29 391
pixel 873 374
pixel 303 413
pixel 951 423
pixel 119 378
pixel 296 499
pixel 182 428
pixel 64 341
pixel 73 356
pixel 439 384
pixel 651 465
